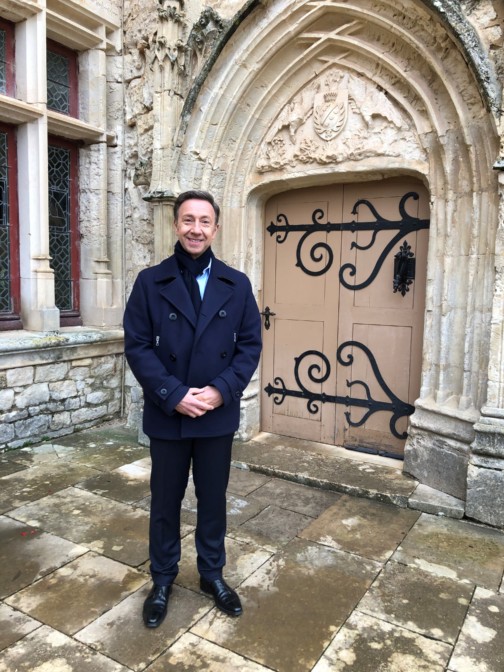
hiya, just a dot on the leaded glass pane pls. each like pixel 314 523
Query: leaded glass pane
pixel 5 288
pixel 3 61
pixel 59 225
pixel 58 82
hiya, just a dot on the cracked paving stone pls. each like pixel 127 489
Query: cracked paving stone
pixel 194 653
pixel 41 552
pixel 479 646
pixel 292 606
pixel 14 626
pixel 52 651
pixel 362 526
pixel 76 594
pixel 409 597
pixel 455 549
pixel 121 634
pixel 102 525
pixel 368 644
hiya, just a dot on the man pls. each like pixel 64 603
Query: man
pixel 193 340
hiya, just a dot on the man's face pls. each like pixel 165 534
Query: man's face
pixel 195 226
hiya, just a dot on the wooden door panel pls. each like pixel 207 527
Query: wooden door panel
pixel 331 284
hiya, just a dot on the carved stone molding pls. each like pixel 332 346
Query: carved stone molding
pixel 338 116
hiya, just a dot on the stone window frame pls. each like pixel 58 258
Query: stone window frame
pixel 89 33
pixel 8 28
pixel 11 320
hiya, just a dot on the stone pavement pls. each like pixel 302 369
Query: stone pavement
pixel 329 581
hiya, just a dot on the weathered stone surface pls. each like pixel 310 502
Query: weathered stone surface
pixel 368 644
pixel 92 584
pixel 14 625
pixel 48 649
pixel 433 606
pixel 110 528
pixel 485 495
pixel 453 549
pixel 480 644
pixel 292 605
pixel 41 554
pixel 433 501
pixel 129 483
pixel 362 526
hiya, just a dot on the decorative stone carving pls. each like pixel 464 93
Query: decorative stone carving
pixel 204 34
pixel 338 116
pixel 142 172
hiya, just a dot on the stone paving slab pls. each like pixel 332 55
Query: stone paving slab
pixel 76 594
pixel 455 549
pixel 111 528
pixel 480 644
pixel 129 483
pixel 121 635
pixel 31 484
pixel 433 606
pixel 292 606
pixel 194 653
pixel 47 650
pixel 243 481
pixel 41 554
pixel 366 527
pixel 276 525
pixel 14 626
pixel 367 644
pixel 294 497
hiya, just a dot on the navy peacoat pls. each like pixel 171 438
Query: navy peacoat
pixel 170 349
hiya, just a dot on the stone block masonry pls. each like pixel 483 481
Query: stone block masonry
pixel 57 385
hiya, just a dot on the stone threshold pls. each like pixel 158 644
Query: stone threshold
pixel 334 468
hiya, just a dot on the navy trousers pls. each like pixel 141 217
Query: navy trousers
pixel 171 463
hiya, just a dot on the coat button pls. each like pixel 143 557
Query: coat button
pixel 163 391
pixel 237 394
pixel 172 316
pixel 173 357
pixel 223 355
pixel 222 313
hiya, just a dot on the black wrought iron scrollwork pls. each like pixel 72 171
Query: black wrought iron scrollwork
pixel 319 372
pixel 406 225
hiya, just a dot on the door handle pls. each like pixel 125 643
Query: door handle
pixel 267 314
pixel 404 268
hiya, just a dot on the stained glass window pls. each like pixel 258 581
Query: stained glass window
pixel 60 229
pixel 3 61
pixel 5 285
pixel 58 82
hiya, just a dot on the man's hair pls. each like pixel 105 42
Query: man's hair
pixel 198 195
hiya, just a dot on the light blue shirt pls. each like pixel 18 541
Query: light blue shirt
pixel 202 279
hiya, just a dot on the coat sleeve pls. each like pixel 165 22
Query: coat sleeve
pixel 163 389
pixel 233 380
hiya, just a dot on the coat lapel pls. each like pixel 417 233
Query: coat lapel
pixel 173 289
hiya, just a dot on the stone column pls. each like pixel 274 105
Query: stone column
pixel 97 299
pixel 485 478
pixel 38 310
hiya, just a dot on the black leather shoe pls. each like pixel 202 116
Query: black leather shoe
pixel 225 597
pixel 155 606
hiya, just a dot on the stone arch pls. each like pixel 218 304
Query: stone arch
pixel 412 106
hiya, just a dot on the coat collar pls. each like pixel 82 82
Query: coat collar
pixel 219 289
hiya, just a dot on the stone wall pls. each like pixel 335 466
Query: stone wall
pixel 59 384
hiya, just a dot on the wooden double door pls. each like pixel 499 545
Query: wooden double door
pixel 343 311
